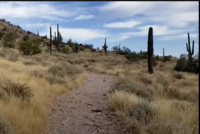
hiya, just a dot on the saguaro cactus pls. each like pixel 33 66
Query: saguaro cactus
pixel 163 54
pixel 76 48
pixel 50 44
pixel 190 52
pixel 119 49
pixel 105 47
pixel 150 50
pixel 57 40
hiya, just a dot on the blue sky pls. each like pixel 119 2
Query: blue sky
pixel 126 23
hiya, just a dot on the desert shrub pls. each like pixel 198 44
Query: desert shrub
pixel 3 20
pixel 176 94
pixel 55 79
pixel 180 64
pixel 5 126
pixel 155 62
pixel 19 27
pixel 8 40
pixel 58 72
pixel 143 54
pixel 142 112
pixel 186 65
pixel 16 89
pixel 66 50
pixel 37 74
pixel 30 47
pixel 164 127
pixel 26 37
pixel 4 29
pixel 28 32
pixel 167 58
pixel 178 76
pixel 88 46
pixel 2 54
pixel 145 80
pixel 44 37
pixel 1 34
pixel 157 57
pixel 12 58
pixel 93 50
pixel 132 87
pixel 81 48
pixel 30 62
pixel 64 69
pixel 134 57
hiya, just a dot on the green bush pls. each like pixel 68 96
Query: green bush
pixel 167 58
pixel 8 40
pixel 180 64
pixel 155 61
pixel 134 57
pixel 187 65
pixel 26 37
pixel 1 34
pixel 28 32
pixel 30 47
pixel 81 48
pixel 66 50
pixel 5 29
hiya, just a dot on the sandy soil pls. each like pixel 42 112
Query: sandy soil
pixel 85 110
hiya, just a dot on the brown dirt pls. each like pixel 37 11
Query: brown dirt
pixel 85 110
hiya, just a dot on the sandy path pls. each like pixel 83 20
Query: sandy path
pixel 85 110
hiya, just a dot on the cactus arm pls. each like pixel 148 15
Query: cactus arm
pixel 192 48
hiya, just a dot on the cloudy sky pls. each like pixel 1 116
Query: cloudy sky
pixel 126 23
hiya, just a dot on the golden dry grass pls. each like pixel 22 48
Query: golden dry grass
pixel 166 102
pixel 32 117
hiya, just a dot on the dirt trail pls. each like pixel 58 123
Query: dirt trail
pixel 85 110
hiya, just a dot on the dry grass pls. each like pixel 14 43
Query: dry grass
pixel 5 127
pixel 30 117
pixel 166 102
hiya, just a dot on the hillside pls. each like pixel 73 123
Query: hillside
pixel 163 102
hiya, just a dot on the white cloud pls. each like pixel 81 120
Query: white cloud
pixel 37 25
pixel 178 14
pixel 83 17
pixel 25 10
pixel 181 36
pixel 78 34
pixel 176 19
pixel 170 20
pixel 125 24
pixel 118 38
pixel 157 31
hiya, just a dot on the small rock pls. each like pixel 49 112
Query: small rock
pixel 96 110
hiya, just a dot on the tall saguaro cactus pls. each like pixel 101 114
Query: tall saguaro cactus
pixel 119 49
pixel 50 44
pixel 190 52
pixel 76 48
pixel 57 39
pixel 163 54
pixel 150 50
pixel 13 34
pixel 105 47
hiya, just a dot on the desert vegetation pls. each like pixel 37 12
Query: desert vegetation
pixel 152 95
